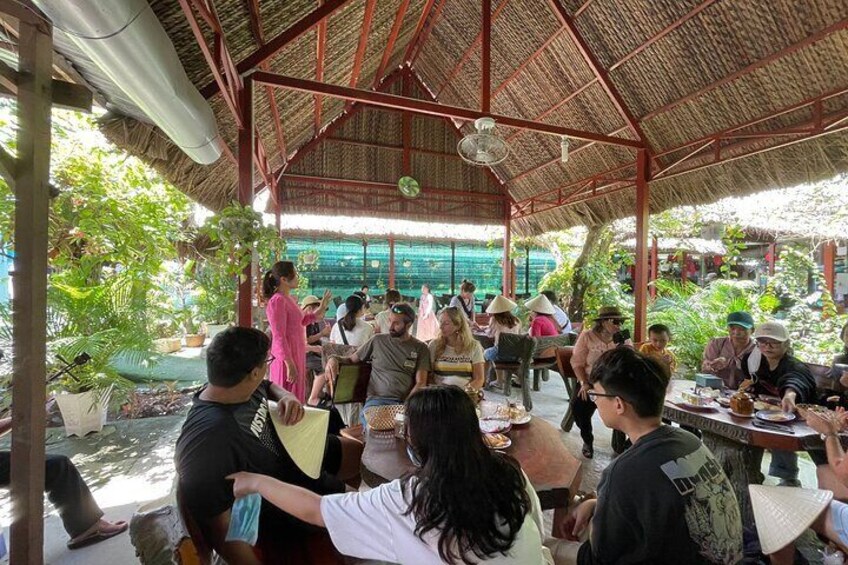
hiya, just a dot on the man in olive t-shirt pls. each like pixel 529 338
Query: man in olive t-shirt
pixel 400 364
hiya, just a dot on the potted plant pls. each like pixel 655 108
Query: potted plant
pixel 195 336
pixel 83 399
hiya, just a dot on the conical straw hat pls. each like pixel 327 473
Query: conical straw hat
pixel 306 440
pixel 783 513
pixel 540 304
pixel 500 304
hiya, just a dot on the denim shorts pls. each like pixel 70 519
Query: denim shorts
pixel 839 517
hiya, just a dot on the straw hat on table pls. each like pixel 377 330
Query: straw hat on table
pixel 783 513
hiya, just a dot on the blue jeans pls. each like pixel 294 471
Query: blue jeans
pixel 784 464
pixel 376 401
pixel 490 354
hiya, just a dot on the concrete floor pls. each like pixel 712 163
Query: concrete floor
pixel 131 463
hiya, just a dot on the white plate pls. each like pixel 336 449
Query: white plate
pixel 703 407
pixel 732 413
pixel 520 421
pixel 775 417
pixel 494 426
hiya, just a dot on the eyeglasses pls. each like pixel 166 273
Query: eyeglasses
pixel 768 344
pixel 270 359
pixel 593 396
pixel 616 322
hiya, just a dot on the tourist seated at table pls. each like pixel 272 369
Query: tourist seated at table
pixel 772 370
pixel 428 326
pixel 659 336
pixel 464 503
pixel 365 296
pixel 465 300
pixel 664 500
pixel 502 321
pixel 400 364
pixel 229 429
pixel 352 329
pixel 832 522
pixel 839 368
pixel 560 316
pixel 382 318
pixel 316 332
pixel 591 344
pixel 456 357
pixel 542 321
pixel 723 355
pixel 836 392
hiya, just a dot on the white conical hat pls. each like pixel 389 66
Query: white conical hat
pixel 500 304
pixel 540 304
pixel 783 513
pixel 305 441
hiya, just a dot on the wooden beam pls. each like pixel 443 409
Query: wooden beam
pixel 245 193
pixel 655 268
pixel 600 73
pixel 29 284
pixel 640 282
pixel 486 56
pixel 63 94
pixel 413 42
pixel 277 43
pixel 390 44
pixel 421 39
pixel 320 55
pixel 431 108
pixel 406 129
pixel 507 242
pixel 364 35
pixel 392 188
pixel 478 40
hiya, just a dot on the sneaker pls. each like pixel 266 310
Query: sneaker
pixel 789 483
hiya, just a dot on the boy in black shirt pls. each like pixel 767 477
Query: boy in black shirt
pixel 664 500
pixel 229 429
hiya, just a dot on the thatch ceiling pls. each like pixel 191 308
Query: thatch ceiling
pixel 691 73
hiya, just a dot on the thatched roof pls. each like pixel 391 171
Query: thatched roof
pixel 691 74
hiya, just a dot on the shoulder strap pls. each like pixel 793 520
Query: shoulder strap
pixel 468 312
pixel 342 332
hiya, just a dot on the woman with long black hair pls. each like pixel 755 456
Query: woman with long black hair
pixel 462 504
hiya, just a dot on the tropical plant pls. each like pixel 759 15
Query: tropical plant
pixel 695 315
pixel 733 239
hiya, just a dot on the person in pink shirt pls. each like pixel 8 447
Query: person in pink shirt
pixel 591 344
pixel 542 321
pixel 288 328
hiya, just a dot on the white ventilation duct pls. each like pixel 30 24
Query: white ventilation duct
pixel 125 39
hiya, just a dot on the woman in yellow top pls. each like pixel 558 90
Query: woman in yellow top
pixel 456 357
pixel 659 336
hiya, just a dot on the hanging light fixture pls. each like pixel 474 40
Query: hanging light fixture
pixel 563 146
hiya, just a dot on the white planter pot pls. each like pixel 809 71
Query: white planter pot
pixel 83 413
pixel 214 329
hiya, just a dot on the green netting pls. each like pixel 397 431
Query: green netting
pixel 343 265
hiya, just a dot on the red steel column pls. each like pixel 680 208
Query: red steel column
pixel 772 258
pixel 391 262
pixel 684 278
pixel 655 268
pixel 244 312
pixel 829 258
pixel 507 241
pixel 485 55
pixel 640 284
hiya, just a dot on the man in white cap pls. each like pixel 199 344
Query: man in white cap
pixel 770 369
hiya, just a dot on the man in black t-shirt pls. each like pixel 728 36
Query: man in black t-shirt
pixel 229 429
pixel 663 501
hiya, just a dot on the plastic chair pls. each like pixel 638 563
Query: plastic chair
pixel 569 378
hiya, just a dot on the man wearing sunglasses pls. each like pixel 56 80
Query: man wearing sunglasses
pixel 666 499
pixel 400 364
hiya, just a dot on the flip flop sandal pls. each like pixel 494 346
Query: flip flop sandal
pixel 98 536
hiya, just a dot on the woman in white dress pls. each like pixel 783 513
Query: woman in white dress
pixel 428 326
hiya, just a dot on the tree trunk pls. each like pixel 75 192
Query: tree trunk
pixel 597 242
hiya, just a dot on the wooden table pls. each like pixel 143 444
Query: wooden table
pixel 537 446
pixel 736 443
